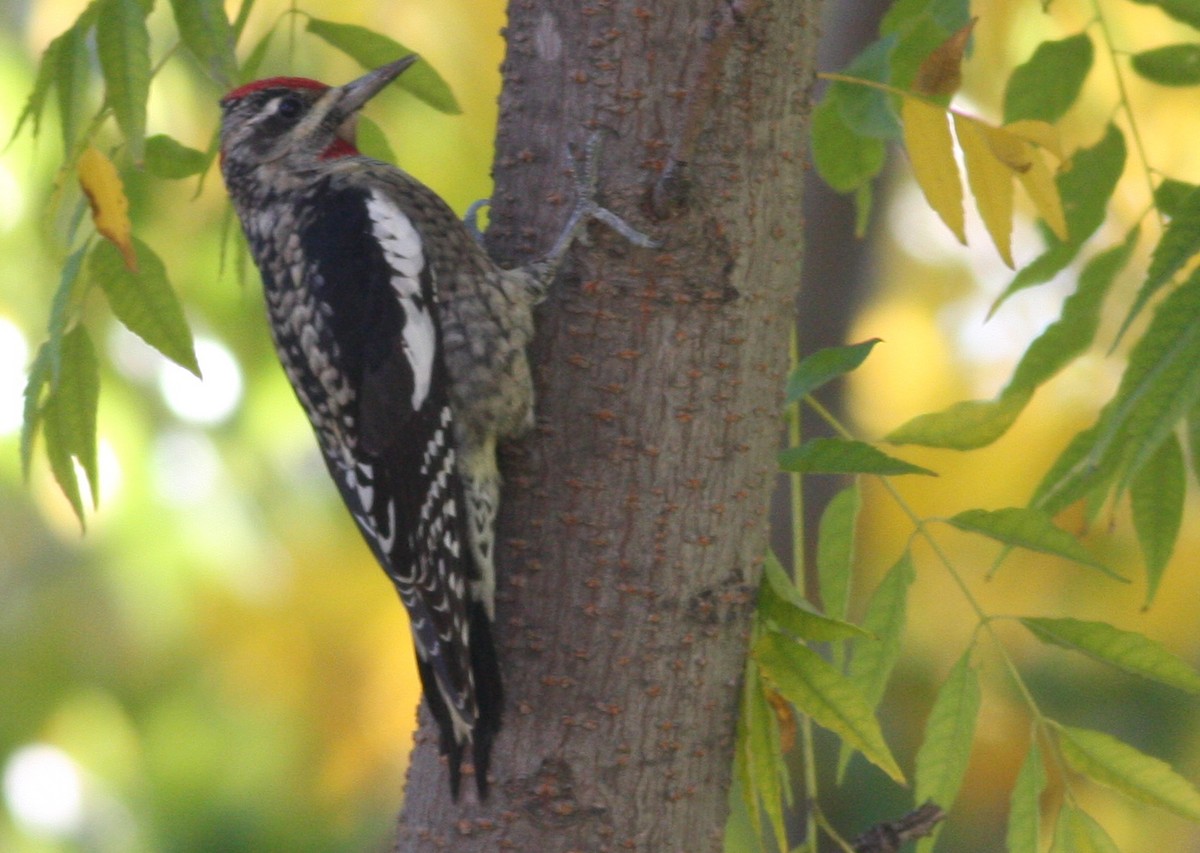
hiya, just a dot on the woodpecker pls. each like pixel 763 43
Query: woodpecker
pixel 405 345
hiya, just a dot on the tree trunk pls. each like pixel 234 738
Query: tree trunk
pixel 633 520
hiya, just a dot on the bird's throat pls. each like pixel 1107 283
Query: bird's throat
pixel 338 148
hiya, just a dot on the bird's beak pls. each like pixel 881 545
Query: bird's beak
pixel 352 96
pixel 357 92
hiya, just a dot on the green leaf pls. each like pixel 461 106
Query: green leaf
pixel 371 140
pixel 844 456
pixel 36 101
pixel 66 53
pixel 1125 650
pixel 824 366
pixel 742 835
pixel 69 418
pixel 210 157
pixel 1171 195
pixel 254 60
pixel 1193 439
pixel 965 425
pixel 1186 11
pixel 1156 494
pixel 782 604
pixel 1077 832
pixel 41 374
pixel 1172 65
pixel 144 301
pixel 70 80
pixel 1179 244
pixel 1070 336
pixel 920 26
pixel 1119 766
pixel 1082 468
pixel 874 657
pixel 1025 809
pixel 207 34
pixel 904 16
pixel 65 308
pixel 1085 189
pixel 976 423
pixel 168 158
pixel 1161 383
pixel 372 50
pixel 123 46
pixel 765 771
pixel 946 748
pixel 866 110
pixel 741 753
pixel 243 15
pixel 62 464
pixel 835 550
pixel 844 159
pixel 1025 527
pixel 804 678
pixel 1046 85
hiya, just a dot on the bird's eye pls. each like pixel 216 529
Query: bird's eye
pixel 289 106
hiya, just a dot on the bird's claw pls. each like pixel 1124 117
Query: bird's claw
pixel 587 208
pixel 471 218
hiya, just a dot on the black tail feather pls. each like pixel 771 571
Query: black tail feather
pixel 489 697
pixel 489 694
pixel 448 745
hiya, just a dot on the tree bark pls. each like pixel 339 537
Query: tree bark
pixel 633 520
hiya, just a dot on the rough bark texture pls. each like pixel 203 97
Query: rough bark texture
pixel 633 518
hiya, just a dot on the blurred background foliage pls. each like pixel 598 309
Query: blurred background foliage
pixel 219 665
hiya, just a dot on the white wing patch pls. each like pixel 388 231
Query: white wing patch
pixel 401 246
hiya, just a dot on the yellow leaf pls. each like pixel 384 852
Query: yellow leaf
pixel 1040 133
pixel 927 138
pixel 1010 149
pixel 1016 145
pixel 110 208
pixel 941 72
pixel 785 717
pixel 991 181
pixel 1038 181
pixel 1037 178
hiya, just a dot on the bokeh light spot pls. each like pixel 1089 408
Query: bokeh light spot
pixel 14 199
pixel 43 790
pixel 208 401
pixel 14 354
pixel 186 467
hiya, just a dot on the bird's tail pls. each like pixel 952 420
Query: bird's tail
pixel 489 699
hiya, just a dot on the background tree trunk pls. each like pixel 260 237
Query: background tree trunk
pixel 838 270
pixel 634 517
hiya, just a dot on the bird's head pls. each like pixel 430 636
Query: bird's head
pixel 294 117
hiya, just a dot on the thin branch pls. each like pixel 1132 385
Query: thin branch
pixel 887 837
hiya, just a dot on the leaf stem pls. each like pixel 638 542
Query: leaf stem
pixel 828 829
pixel 795 482
pixel 1126 105
pixel 921 529
pixel 812 810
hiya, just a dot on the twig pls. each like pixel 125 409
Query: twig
pixel 887 837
